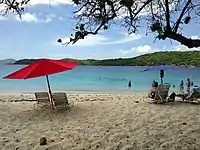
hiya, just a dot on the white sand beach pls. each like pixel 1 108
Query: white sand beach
pixel 99 122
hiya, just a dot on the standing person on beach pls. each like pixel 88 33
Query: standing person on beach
pixel 188 83
pixel 129 84
pixel 181 86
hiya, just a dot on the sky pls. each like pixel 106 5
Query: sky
pixel 36 34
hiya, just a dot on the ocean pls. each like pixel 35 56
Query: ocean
pixel 97 79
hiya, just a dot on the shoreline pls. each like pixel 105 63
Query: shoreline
pixel 77 92
pixel 187 66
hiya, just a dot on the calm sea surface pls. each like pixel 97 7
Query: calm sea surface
pixel 97 79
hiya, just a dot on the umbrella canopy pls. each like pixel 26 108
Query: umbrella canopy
pixel 43 67
pixel 161 67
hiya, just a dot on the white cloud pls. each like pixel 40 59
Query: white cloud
pixel 51 2
pixel 127 38
pixel 92 40
pixel 2 18
pixel 27 17
pixel 195 37
pixel 89 40
pixel 60 18
pixel 142 49
pixel 47 20
pixel 185 48
pixel 33 18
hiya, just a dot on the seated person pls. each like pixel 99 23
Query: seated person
pixel 156 84
pixel 153 84
pixel 151 93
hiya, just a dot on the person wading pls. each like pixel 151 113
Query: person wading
pixel 129 84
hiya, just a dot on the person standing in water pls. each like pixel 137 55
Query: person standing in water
pixel 181 86
pixel 129 84
pixel 188 84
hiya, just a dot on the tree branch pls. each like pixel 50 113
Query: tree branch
pixel 13 6
pixel 141 8
pixel 167 15
pixel 190 43
pixel 181 16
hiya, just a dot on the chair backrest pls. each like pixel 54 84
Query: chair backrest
pixel 196 94
pixel 193 95
pixel 59 98
pixel 164 90
pixel 42 97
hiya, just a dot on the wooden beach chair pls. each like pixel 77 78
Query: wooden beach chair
pixel 164 91
pixel 161 94
pixel 43 100
pixel 60 100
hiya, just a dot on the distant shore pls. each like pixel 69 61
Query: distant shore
pixel 169 57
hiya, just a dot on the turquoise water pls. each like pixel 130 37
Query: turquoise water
pixel 97 79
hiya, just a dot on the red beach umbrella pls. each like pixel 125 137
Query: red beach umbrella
pixel 43 67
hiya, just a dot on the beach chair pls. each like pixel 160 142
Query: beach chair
pixel 43 100
pixel 164 90
pixel 192 97
pixel 161 94
pixel 60 100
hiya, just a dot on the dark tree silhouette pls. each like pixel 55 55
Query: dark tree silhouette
pixel 163 17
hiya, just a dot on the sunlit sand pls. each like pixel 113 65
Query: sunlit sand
pixel 99 121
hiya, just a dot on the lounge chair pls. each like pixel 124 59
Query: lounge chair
pixel 192 96
pixel 164 90
pixel 43 99
pixel 161 94
pixel 60 100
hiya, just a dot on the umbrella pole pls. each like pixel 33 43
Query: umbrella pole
pixel 161 81
pixel 51 99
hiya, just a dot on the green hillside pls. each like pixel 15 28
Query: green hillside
pixel 189 58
